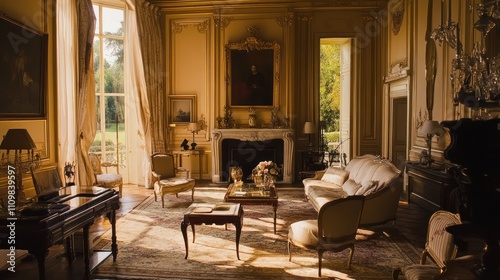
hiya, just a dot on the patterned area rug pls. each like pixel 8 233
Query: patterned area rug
pixel 151 246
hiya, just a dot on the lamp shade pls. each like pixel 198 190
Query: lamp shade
pixel 17 139
pixel 432 127
pixel 309 128
pixel 193 127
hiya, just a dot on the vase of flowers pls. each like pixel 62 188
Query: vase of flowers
pixel 265 173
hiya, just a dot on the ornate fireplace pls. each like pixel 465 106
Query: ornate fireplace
pixel 246 147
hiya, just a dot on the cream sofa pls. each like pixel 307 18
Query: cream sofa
pixel 377 179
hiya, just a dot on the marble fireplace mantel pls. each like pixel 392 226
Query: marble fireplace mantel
pixel 253 134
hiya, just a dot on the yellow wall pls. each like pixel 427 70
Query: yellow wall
pixel 38 14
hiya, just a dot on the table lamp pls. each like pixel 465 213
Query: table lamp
pixel 309 129
pixel 431 128
pixel 17 163
pixel 193 127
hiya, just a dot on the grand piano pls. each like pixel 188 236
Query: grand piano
pixel 39 225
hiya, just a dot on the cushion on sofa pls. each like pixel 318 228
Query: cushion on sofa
pixel 351 187
pixel 367 187
pixel 335 175
pixel 318 196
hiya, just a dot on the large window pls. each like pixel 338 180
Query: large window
pixel 109 40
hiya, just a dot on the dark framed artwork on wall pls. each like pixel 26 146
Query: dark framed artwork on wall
pixel 182 109
pixel 23 68
pixel 253 73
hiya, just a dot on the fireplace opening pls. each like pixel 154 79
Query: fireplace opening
pixel 247 154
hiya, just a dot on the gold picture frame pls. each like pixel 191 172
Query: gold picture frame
pixel 182 109
pixel 253 73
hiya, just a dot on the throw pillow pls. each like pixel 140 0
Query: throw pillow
pixel 351 187
pixel 335 175
pixel 367 188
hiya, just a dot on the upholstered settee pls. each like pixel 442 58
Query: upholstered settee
pixel 377 179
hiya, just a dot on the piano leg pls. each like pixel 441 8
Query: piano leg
pixel 40 257
pixel 70 248
pixel 86 250
pixel 112 220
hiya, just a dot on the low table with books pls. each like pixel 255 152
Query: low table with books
pixel 252 194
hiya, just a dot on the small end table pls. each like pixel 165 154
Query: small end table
pixel 219 214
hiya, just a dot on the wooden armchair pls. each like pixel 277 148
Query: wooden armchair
pixel 166 181
pixel 106 180
pixel 334 230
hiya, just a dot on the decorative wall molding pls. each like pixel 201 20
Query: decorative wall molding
pixel 286 20
pixel 202 25
pixel 221 21
pixel 396 10
pixel 304 16
pixel 397 70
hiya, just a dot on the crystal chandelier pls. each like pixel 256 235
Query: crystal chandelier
pixel 475 77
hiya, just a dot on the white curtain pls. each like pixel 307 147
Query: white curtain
pixel 66 79
pixel 136 83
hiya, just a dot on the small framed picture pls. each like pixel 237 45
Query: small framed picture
pixel 182 109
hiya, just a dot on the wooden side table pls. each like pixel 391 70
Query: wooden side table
pixel 197 152
pixel 219 214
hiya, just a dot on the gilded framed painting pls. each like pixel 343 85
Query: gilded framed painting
pixel 182 109
pixel 23 69
pixel 253 73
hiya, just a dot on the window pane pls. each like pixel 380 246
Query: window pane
pixel 115 128
pixel 97 15
pixel 112 21
pixel 113 66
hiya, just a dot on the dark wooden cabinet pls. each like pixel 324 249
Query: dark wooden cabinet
pixel 429 187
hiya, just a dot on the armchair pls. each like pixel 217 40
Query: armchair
pixel 164 173
pixel 332 232
pixel 106 180
pixel 440 248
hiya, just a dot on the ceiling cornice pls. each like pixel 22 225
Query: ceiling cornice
pixel 192 5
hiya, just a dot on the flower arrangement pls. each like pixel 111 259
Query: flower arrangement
pixel 266 169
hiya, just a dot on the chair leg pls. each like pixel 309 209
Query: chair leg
pixel 289 250
pixel 120 189
pixel 320 260
pixel 162 200
pixel 192 195
pixel 155 195
pixel 350 257
pixel 395 273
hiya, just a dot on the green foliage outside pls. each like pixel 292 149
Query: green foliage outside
pixel 330 89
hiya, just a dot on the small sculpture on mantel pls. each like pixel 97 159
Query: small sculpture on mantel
pixel 252 117
pixel 227 121
pixel 276 122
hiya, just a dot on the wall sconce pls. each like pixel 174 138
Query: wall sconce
pixel 309 129
pixel 193 127
pixel 18 163
pixel 431 128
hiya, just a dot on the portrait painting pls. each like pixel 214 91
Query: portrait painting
pixel 23 60
pixel 253 71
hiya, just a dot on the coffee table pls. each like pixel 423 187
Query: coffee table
pixel 251 194
pixel 221 213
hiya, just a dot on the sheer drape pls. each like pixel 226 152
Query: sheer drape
pixel 66 79
pixel 148 19
pixel 137 85
pixel 85 99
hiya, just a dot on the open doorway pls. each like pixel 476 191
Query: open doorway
pixel 335 92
